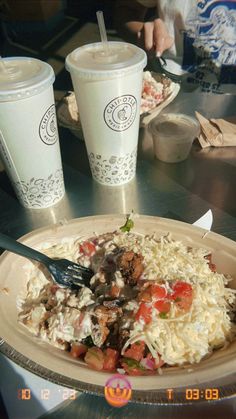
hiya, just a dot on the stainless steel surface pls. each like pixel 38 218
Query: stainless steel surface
pixel 182 191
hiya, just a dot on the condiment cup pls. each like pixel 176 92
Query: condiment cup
pixel 173 135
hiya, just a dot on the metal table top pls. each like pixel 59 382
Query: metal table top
pixel 181 191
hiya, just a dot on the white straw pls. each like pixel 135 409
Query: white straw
pixel 102 29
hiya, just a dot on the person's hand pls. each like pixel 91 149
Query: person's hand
pixel 156 37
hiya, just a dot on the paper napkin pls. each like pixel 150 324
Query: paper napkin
pixel 217 132
pixel 205 221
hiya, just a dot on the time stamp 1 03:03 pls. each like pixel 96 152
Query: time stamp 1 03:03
pixel 191 394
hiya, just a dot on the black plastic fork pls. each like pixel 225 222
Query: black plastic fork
pixel 65 273
pixel 159 66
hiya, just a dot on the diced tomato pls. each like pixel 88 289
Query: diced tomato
pixel 94 358
pixel 163 306
pixel 182 295
pixel 134 367
pixel 181 289
pixel 153 291
pixel 110 359
pixel 158 291
pixel 87 248
pixel 135 351
pixel 147 89
pixel 212 266
pixel 144 312
pixel 78 349
pixel 131 370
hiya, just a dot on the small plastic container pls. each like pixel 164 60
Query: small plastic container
pixel 173 135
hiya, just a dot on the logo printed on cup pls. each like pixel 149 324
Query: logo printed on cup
pixel 119 114
pixel 48 126
pixel 117 390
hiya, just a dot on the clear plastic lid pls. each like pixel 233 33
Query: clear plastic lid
pixel 22 77
pixel 175 126
pixel 91 59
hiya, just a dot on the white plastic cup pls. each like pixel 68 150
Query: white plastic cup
pixel 29 143
pixel 108 90
pixel 173 135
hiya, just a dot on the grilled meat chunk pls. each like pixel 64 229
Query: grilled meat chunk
pixel 131 266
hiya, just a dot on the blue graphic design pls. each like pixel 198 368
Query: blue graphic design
pixel 210 39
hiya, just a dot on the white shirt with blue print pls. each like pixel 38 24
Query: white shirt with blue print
pixel 204 33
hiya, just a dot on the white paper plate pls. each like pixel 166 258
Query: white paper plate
pixel 218 371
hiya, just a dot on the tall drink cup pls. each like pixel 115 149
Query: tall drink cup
pixel 29 144
pixel 108 85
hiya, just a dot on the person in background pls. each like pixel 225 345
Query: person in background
pixel 198 37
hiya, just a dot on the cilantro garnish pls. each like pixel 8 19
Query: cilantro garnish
pixel 163 315
pixel 128 224
pixel 132 363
